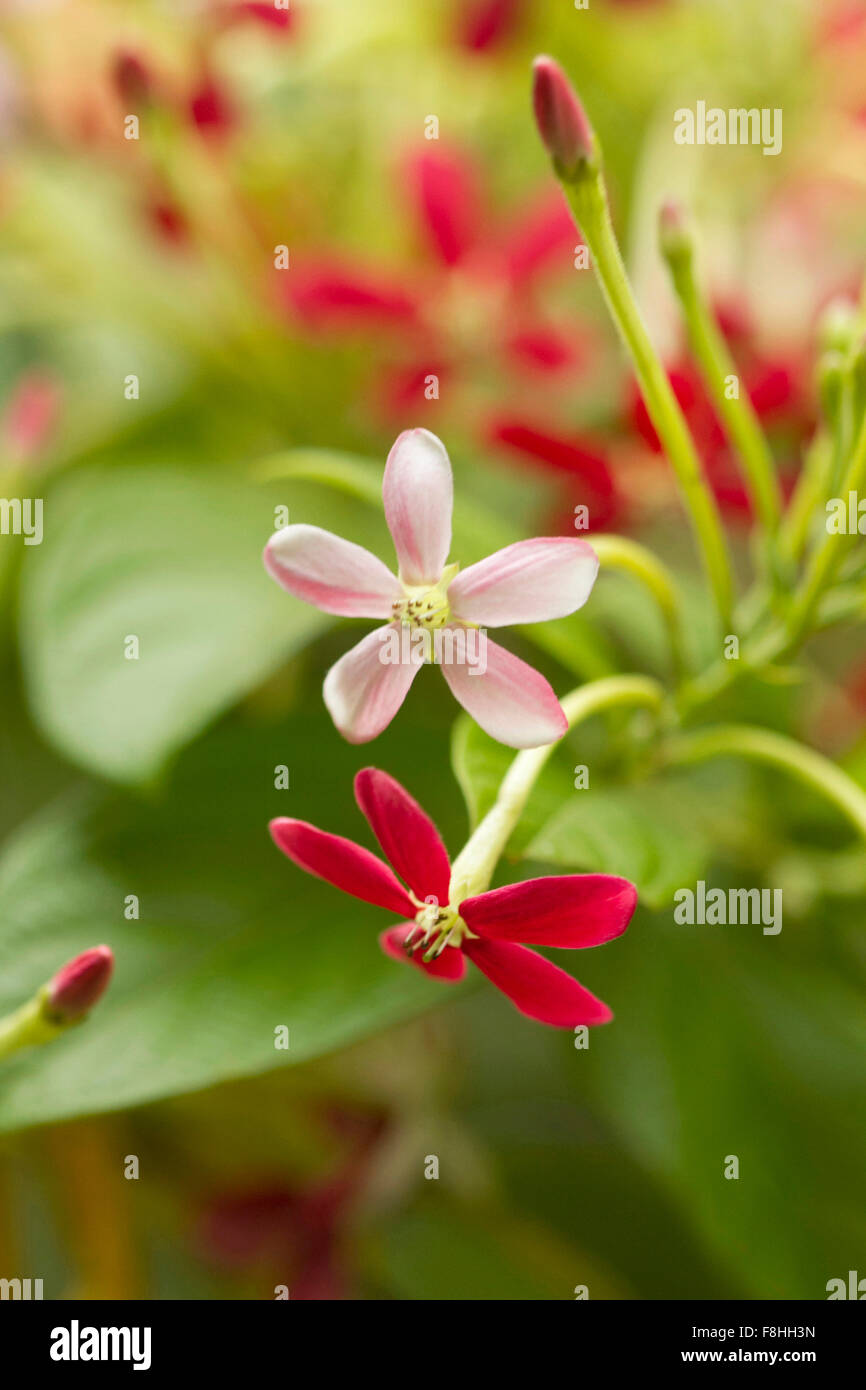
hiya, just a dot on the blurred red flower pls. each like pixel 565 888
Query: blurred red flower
pixel 778 387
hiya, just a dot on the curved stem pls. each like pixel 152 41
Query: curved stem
pixel 827 557
pixel 617 552
pixel 26 1027
pixel 760 745
pixel 588 201
pixel 738 414
pixel 473 868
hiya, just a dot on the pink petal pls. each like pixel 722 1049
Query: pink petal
pixel 363 692
pixel 534 986
pixel 560 910
pixel 408 837
pixel 449 966
pixel 529 582
pixel 444 186
pixel 333 574
pixel 510 700
pixel 341 862
pixel 418 492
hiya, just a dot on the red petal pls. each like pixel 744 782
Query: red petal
pixel 560 910
pixel 544 348
pixel 538 989
pixel 487 24
pixel 449 966
pixel 544 237
pixel 338 297
pixel 409 839
pixel 444 187
pixel 341 862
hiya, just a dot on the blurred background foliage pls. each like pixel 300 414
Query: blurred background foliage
pixel 261 388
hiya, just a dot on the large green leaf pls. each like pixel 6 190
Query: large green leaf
pixel 727 1042
pixel 232 940
pixel 173 558
pixel 642 832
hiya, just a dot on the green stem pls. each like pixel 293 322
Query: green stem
pixel 617 552
pixel 473 868
pixel 26 1027
pixel 828 555
pixel 588 201
pixel 809 493
pixel 717 366
pixel 761 745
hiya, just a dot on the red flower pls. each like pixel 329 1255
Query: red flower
pixel 296 1227
pixel 474 307
pixel 568 910
pixel 778 392
pixel 484 25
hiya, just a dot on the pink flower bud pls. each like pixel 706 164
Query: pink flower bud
pixel 674 235
pixel 561 120
pixel 79 984
pixel 30 416
pixel 132 80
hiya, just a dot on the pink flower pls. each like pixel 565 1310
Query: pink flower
pixel 434 613
pixel 568 910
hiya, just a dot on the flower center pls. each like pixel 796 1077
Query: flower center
pixel 425 607
pixel 435 928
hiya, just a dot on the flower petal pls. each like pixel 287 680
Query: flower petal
pixel 409 839
pixel 559 910
pixel 449 966
pixel 334 574
pixel 333 297
pixel 538 989
pixel 510 700
pixel 341 862
pixel 418 492
pixel 364 690
pixel 543 238
pixel 529 582
pixel 444 187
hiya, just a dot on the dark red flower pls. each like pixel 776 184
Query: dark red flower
pixel 568 910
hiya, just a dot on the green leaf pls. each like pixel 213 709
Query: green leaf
pixel 644 833
pixel 172 558
pixel 480 763
pixel 232 940
pixel 728 1042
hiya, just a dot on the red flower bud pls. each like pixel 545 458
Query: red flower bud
pixel 132 80
pixel 561 120
pixel 79 984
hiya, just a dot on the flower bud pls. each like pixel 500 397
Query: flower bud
pixel 132 81
pixel 675 239
pixel 78 985
pixel 561 120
